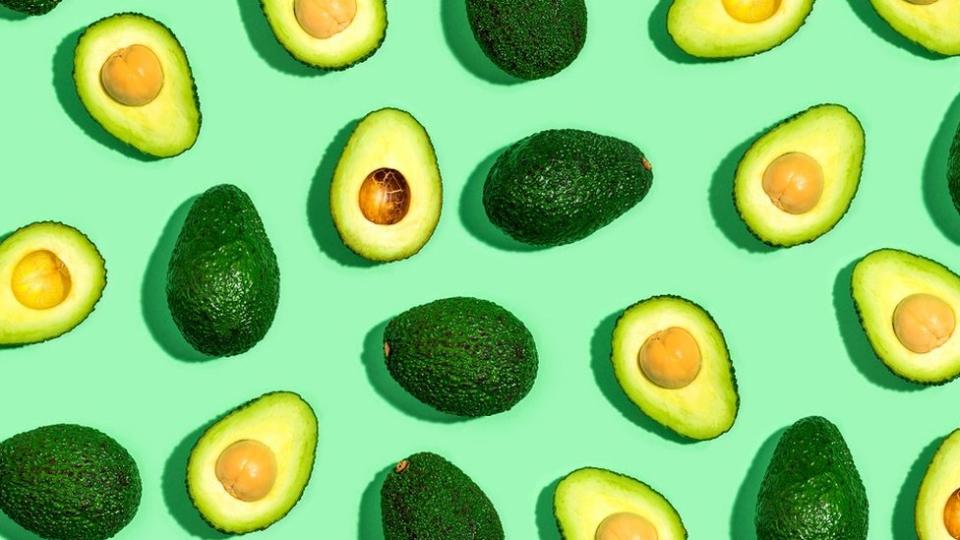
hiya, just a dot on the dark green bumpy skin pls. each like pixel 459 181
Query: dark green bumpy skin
pixel 812 490
pixel 559 186
pixel 428 498
pixel 30 7
pixel 953 170
pixel 223 283
pixel 68 482
pixel 462 356
pixel 529 39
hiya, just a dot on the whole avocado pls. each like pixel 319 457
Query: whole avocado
pixel 426 497
pixel 223 282
pixel 68 482
pixel 462 356
pixel 953 170
pixel 812 490
pixel 529 39
pixel 30 7
pixel 560 186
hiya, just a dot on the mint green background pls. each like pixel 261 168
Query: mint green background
pixel 276 129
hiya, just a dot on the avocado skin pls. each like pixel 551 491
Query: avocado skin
pixel 560 186
pixel 462 356
pixel 30 7
pixel 68 482
pixel 812 490
pixel 432 499
pixel 223 282
pixel 529 39
pixel 953 170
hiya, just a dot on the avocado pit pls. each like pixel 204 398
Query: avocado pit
pixel 923 322
pixel 794 182
pixel 132 76
pixel 247 469
pixel 670 358
pixel 951 515
pixel 751 11
pixel 324 19
pixel 626 526
pixel 385 196
pixel 41 280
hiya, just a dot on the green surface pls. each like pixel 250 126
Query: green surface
pixel 268 127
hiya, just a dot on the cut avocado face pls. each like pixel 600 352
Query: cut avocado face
pixel 908 306
pixel 30 7
pixel 937 512
pixel 734 28
pixel 797 181
pixel 597 504
pixel 933 24
pixel 53 277
pixel 385 197
pixel 671 359
pixel 133 77
pixel 250 468
pixel 328 34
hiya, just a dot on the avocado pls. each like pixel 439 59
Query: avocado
pixel 385 197
pixel 462 356
pixel 907 306
pixel 797 181
pixel 812 490
pixel 426 497
pixel 560 186
pixel 30 7
pixel 53 277
pixel 249 469
pixel 937 515
pixel 68 482
pixel 932 24
pixel 529 39
pixel 223 283
pixel 597 504
pixel 328 34
pixel 953 170
pixel 716 29
pixel 133 77
pixel 671 360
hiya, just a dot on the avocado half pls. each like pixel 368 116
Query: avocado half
pixel 167 125
pixel 282 421
pixel 30 7
pixel 937 511
pixel 708 29
pixel 934 25
pixel 589 499
pixel 53 277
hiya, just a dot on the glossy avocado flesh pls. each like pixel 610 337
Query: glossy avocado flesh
pixel 588 497
pixel 307 30
pixel 53 277
pixel 702 408
pixel 30 7
pixel 934 26
pixel 937 512
pixel 163 125
pixel 881 282
pixel 829 138
pixel 812 490
pixel 287 426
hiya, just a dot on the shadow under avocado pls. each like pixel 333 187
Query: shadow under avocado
pixel 389 389
pixel 657 29
pixel 546 522
pixel 936 194
pixel 742 521
pixel 265 42
pixel 7 14
pixel 175 494
pixel 722 206
pixel 601 350
pixel 9 530
pixel 370 525
pixel 855 339
pixel 903 510
pixel 884 31
pixel 463 45
pixel 153 295
pixel 66 91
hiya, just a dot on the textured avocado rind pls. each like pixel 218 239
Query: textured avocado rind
pixel 30 7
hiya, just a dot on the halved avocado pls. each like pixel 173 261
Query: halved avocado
pixel 597 504
pixel 671 359
pixel 734 28
pixel 933 24
pixel 53 277
pixel 797 181
pixel 133 77
pixel 328 34
pixel 248 470
pixel 386 195
pixel 937 511
pixel 30 7
pixel 907 306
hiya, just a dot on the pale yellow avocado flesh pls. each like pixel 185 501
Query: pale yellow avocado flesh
pixel 934 26
pixel 940 481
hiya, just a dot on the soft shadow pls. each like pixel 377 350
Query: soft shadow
pixel 9 530
pixel 389 389
pixel 153 295
pixel 546 522
pixel 175 490
pixel 460 40
pixel 722 206
pixel 371 525
pixel 474 216
pixel 903 509
pixel 7 14
pixel 70 102
pixel 936 194
pixel 657 29
pixel 318 204
pixel 265 42
pixel 742 525
pixel 855 339
pixel 884 31
pixel 601 349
